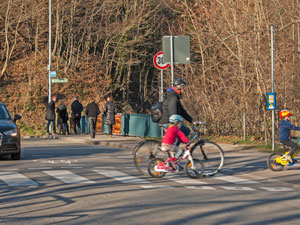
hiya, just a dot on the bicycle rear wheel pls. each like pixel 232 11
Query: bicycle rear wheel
pixel 211 155
pixel 144 152
pixel 197 172
pixel 272 165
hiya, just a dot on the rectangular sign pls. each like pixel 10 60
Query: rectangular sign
pixel 271 100
pixel 60 80
pixel 181 49
pixel 52 73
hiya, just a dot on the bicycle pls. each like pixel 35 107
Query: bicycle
pixel 208 152
pixel 194 168
pixel 276 161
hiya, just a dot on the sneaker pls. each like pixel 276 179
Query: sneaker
pixel 161 166
pixel 289 158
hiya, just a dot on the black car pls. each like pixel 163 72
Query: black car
pixel 10 139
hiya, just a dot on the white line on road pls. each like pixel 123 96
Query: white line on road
pixel 237 188
pixel 200 187
pixel 105 167
pixel 69 177
pixel 276 188
pixel 16 179
pixel 122 177
pixel 40 168
pixel 183 180
pixel 235 180
pixel 156 186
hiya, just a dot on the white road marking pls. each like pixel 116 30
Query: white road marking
pixel 16 179
pixel 235 180
pixel 69 177
pixel 200 187
pixel 122 177
pixel 40 168
pixel 156 186
pixel 125 157
pixel 276 188
pixel 237 188
pixel 105 167
pixel 183 180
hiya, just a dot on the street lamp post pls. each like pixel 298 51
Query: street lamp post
pixel 49 66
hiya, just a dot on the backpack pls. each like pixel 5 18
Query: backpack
pixel 156 112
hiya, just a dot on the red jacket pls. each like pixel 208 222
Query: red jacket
pixel 172 133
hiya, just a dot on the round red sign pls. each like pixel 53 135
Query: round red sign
pixel 158 61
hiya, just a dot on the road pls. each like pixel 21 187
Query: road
pixel 65 183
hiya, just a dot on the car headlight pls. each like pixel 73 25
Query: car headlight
pixel 12 132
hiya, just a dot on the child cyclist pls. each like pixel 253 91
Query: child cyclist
pixel 172 136
pixel 284 134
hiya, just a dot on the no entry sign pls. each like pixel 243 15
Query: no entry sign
pixel 158 61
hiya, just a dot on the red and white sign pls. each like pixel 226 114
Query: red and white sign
pixel 158 61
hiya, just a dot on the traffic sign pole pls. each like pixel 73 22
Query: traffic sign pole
pixel 159 64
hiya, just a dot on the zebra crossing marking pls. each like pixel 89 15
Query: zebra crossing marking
pixel 122 177
pixel 235 180
pixel 16 179
pixel 13 178
pixel 183 180
pixel 200 187
pixel 237 188
pixel 69 177
pixel 156 186
pixel 276 188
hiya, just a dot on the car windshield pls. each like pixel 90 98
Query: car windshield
pixel 4 114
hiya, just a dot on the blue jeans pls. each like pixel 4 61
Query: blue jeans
pixel 53 126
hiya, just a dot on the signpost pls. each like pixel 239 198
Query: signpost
pixel 159 64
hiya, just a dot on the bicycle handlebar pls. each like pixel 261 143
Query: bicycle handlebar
pixel 198 124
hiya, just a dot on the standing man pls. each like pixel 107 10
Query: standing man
pixel 172 106
pixel 76 108
pixel 62 118
pixel 51 115
pixel 92 111
pixel 110 111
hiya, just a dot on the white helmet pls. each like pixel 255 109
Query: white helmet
pixel 175 118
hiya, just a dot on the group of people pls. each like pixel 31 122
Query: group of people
pixel 173 114
pixel 91 111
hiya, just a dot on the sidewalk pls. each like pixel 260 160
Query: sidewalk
pixel 117 141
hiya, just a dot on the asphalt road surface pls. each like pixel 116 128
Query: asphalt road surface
pixel 65 183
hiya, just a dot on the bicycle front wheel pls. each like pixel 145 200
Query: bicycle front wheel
pixel 195 172
pixel 154 162
pixel 211 155
pixel 272 164
pixel 144 152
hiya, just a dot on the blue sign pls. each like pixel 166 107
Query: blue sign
pixel 271 100
pixel 52 73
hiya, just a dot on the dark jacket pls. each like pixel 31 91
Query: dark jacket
pixel 285 128
pixel 51 111
pixel 62 114
pixel 171 106
pixel 76 108
pixel 92 110
pixel 110 111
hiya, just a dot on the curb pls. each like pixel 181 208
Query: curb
pixel 117 144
